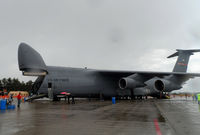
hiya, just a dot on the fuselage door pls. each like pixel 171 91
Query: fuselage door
pixel 50 91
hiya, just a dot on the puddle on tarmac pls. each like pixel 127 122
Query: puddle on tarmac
pixel 141 113
pixel 82 105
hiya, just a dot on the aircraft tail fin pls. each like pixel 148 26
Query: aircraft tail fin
pixel 183 59
pixel 30 61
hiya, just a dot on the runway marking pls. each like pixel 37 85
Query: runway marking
pixel 157 127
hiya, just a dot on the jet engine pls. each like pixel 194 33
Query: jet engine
pixel 129 83
pixel 164 85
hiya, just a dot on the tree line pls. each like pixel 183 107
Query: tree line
pixel 13 84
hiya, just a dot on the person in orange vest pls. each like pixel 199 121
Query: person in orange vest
pixel 19 97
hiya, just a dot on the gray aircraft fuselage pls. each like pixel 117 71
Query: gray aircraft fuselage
pixel 83 82
pixel 79 82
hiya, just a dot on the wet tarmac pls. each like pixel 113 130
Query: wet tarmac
pixel 147 117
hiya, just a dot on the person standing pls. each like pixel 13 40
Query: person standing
pixel 19 97
pixel 198 97
pixel 10 99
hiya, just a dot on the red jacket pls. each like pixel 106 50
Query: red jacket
pixel 19 96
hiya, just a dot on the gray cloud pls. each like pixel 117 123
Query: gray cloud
pixel 103 34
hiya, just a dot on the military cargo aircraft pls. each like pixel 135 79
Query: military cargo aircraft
pixel 90 83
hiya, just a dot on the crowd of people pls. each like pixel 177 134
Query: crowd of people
pixel 9 98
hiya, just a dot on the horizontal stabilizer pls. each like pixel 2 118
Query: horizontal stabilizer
pixel 190 52
pixel 173 55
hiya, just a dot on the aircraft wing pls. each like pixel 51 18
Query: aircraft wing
pixel 132 79
pixel 146 73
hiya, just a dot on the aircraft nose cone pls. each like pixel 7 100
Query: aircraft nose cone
pixel 29 59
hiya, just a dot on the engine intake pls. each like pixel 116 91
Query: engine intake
pixel 129 83
pixel 122 83
pixel 159 85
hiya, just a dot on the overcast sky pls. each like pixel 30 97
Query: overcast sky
pixel 102 34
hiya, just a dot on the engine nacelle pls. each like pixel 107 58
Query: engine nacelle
pixel 160 84
pixel 129 83
pixel 166 85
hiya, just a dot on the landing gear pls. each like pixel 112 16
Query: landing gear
pixel 139 97
pixel 163 95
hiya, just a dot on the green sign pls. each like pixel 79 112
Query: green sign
pixel 198 97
